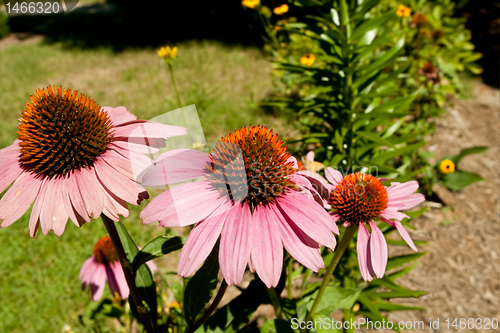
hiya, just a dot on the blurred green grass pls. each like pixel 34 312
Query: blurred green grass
pixel 39 286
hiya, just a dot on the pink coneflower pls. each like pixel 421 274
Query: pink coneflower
pixel 251 196
pixel 75 159
pixel 358 199
pixel 103 266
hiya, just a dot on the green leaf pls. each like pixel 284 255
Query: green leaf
pixel 386 306
pixel 335 16
pixel 143 277
pixel 375 138
pixel 395 262
pixel 468 151
pixel 372 23
pixel 326 326
pixel 158 247
pixel 459 179
pixel 277 326
pixel 382 157
pixel 201 287
pixel 336 298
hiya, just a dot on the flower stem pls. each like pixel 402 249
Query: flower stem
pixel 275 301
pixel 127 270
pixel 171 70
pixel 289 278
pixel 346 239
pixel 211 309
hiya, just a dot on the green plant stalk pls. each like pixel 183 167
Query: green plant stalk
pixel 275 302
pixel 171 70
pixel 289 277
pixel 339 251
pixel 211 309
pixel 127 270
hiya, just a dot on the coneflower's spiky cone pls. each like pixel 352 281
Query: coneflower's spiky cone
pixel 359 198
pixel 252 165
pixel 60 131
pixel 251 196
pixel 104 251
pixel 74 159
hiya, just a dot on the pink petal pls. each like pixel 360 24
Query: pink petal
pixel 236 243
pixel 117 183
pixel 333 176
pixel 138 161
pixel 292 160
pixel 392 213
pixel 34 223
pixel 201 241
pixel 116 280
pixel 145 130
pixel 91 192
pixel 10 168
pixel 114 206
pixel 267 250
pixel 310 217
pixel 310 156
pixel 119 115
pixel 404 203
pixel 364 259
pixel 152 267
pixel 53 214
pixel 378 250
pixel 402 232
pixel 87 271
pixel 318 183
pixel 297 243
pixel 71 193
pixel 138 147
pixel 177 166
pixel 98 282
pixel 174 207
pixel 18 199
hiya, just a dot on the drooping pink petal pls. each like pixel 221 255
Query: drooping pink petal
pixel 318 183
pixel 90 192
pixel 236 243
pixel 300 246
pixel 139 147
pixel 87 271
pixel 333 176
pixel 10 168
pixel 267 249
pixel 18 199
pixel 53 214
pixel 34 223
pixel 71 193
pixel 152 267
pixel 177 166
pixel 119 115
pixel 98 282
pixel 362 249
pixel 118 184
pixel 116 280
pixel 402 232
pixel 313 220
pixel 145 130
pixel 293 160
pixel 183 205
pixel 392 213
pixel 114 206
pixel 139 162
pixel 378 250
pixel 201 241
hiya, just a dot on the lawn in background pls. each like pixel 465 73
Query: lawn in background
pixel 39 287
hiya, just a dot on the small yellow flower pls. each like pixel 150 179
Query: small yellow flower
pixel 250 3
pixel 281 9
pixel 356 307
pixel 447 166
pixel 308 59
pixel 168 53
pixel 175 305
pixel 403 11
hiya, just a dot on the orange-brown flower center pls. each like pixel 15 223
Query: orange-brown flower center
pixel 359 198
pixel 104 251
pixel 251 165
pixel 60 131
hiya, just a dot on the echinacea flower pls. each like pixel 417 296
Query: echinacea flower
pixel 403 11
pixel 447 166
pixel 75 159
pixel 251 196
pixel 280 10
pixel 419 19
pixel 358 199
pixel 250 3
pixel 167 53
pixel 308 59
pixel 431 72
pixel 104 266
